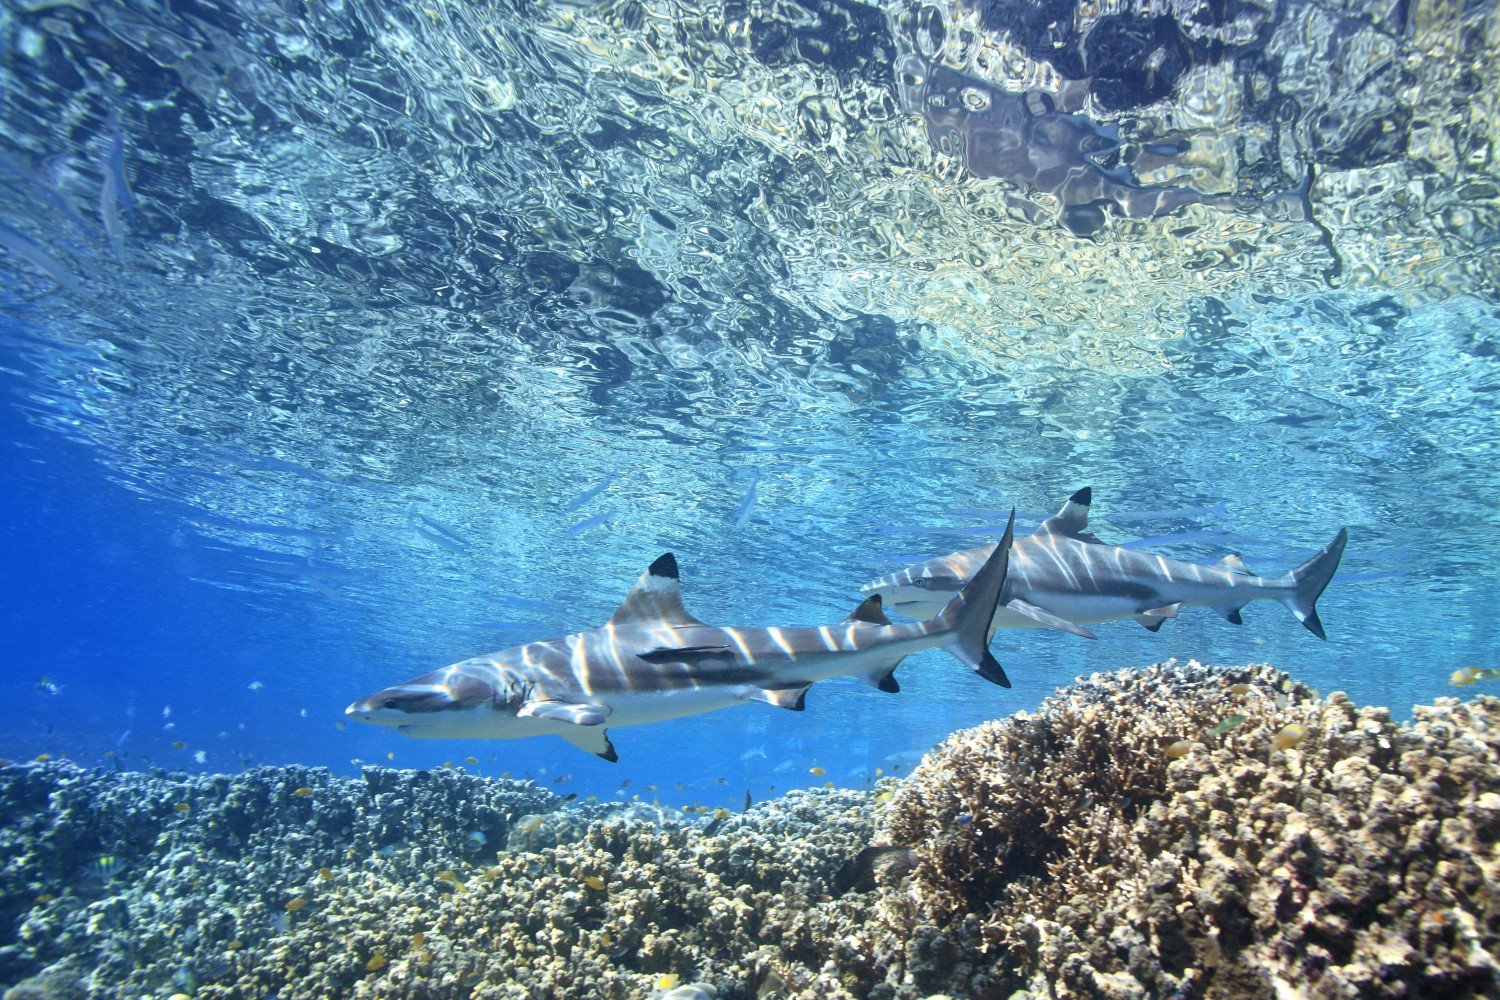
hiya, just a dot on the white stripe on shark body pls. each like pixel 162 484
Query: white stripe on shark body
pixel 1062 577
pixel 653 661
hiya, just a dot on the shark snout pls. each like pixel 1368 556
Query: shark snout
pixel 376 711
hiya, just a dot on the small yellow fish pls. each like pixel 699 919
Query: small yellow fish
pixel 1465 676
pixel 109 755
pixel 819 771
pixel 183 807
pixel 1239 689
pixel 293 905
pixel 471 760
pixel 721 813
pixel 505 775
pixel 490 874
pixel 325 874
pixel 884 797
pixel 391 755
pixel 44 899
pixel 606 939
pixel 1227 725
pixel 448 764
pixel 302 792
pixel 418 939
pixel 447 875
pixel 594 882
pixel 879 771
pixel 1178 750
pixel 667 982
pixel 341 724
pixel 42 758
pixel 1288 736
pixel 530 824
pixel 235 945
pixel 376 963
pixel 179 745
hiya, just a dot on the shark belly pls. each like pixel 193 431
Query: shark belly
pixel 483 723
pixel 1080 608
pixel 636 708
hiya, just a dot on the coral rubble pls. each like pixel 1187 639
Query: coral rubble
pixel 1286 845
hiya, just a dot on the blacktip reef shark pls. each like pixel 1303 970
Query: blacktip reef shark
pixel 653 661
pixel 1062 577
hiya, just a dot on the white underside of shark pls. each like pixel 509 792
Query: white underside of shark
pixel 1062 577
pixel 652 661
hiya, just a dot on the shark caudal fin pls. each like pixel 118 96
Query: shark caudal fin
pixel 969 614
pixel 1308 581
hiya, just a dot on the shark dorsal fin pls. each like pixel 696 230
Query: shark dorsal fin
pixel 1073 518
pixel 869 612
pixel 1234 564
pixel 655 598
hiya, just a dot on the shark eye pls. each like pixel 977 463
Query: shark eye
pixel 389 703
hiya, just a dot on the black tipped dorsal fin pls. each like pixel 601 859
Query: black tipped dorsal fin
pixel 1073 518
pixel 869 612
pixel 1235 564
pixel 656 597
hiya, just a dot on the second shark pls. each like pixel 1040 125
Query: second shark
pixel 1062 577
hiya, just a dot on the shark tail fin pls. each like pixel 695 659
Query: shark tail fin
pixel 971 610
pixel 1308 581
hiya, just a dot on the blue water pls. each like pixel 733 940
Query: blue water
pixel 318 324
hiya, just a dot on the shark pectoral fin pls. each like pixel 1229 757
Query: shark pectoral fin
pixel 683 654
pixel 563 711
pixel 869 612
pixel 593 739
pixel 789 697
pixel 1044 617
pixel 883 678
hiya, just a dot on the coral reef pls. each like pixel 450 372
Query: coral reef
pixel 1301 844
pixel 289 882
pixel 1175 831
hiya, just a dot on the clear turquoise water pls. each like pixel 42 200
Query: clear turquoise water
pixel 316 321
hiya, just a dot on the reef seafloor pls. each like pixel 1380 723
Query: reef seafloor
pixel 1173 831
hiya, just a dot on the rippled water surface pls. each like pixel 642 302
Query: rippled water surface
pixel 345 340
